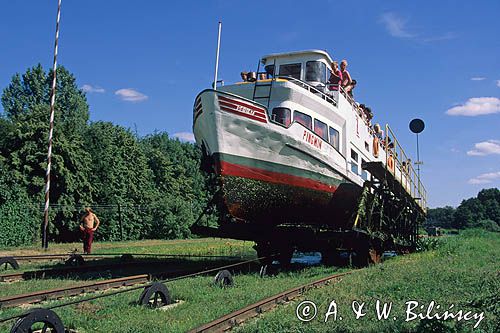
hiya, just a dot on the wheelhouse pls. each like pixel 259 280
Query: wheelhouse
pixel 311 66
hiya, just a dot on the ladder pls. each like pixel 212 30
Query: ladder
pixel 262 90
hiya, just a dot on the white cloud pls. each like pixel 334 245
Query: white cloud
pixel 131 95
pixel 395 25
pixel 476 106
pixel 92 89
pixel 438 38
pixel 478 78
pixel 485 178
pixel 485 148
pixel 498 83
pixel 184 136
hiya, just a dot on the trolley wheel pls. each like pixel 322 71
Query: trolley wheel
pixel 48 318
pixel 285 255
pixel 224 279
pixel 155 296
pixel 9 261
pixel 263 249
pixel 330 257
pixel 75 260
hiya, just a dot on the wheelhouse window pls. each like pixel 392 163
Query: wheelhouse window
pixel 292 70
pixel 334 138
pixel 270 71
pixel 316 71
pixel 282 116
pixel 321 129
pixel 303 119
pixel 354 162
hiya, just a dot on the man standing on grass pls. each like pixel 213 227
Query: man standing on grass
pixel 87 227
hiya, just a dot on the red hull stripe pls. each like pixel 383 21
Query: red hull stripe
pixel 243 114
pixel 237 170
pixel 247 105
pixel 235 106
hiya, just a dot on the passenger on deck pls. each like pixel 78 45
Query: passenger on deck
pixel 378 138
pixel 369 116
pixel 379 133
pixel 346 77
pixel 244 76
pixel 335 77
pixel 353 85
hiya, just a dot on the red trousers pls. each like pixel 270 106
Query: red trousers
pixel 88 237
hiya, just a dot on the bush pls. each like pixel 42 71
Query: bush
pixel 19 224
pixel 427 244
pixel 489 225
pixel 18 217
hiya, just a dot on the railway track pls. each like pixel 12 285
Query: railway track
pixel 65 271
pixel 235 318
pixel 39 296
pixel 64 256
pixel 171 275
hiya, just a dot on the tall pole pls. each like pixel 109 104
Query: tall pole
pixel 217 56
pixel 45 242
pixel 418 160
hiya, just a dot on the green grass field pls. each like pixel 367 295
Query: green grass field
pixel 463 271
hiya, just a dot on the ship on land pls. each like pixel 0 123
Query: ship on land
pixel 299 166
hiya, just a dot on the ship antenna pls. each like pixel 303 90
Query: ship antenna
pixel 217 57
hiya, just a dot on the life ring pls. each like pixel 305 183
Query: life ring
pixel 390 162
pixel 375 146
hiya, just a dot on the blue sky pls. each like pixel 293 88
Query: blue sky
pixel 143 62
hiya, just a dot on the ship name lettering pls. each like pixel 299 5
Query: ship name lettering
pixel 245 110
pixel 312 139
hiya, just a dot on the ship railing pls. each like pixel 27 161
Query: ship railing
pixel 398 163
pixel 320 90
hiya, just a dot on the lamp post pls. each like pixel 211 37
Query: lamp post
pixel 417 126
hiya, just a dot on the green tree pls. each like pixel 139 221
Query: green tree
pixel 26 108
pixel 441 217
pixel 479 211
pixel 120 175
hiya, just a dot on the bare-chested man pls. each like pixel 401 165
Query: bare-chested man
pixel 87 227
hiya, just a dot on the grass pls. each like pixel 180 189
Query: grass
pixel 461 270
pixel 200 246
pixel 201 303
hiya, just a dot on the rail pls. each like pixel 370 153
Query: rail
pixel 132 286
pixel 38 296
pixel 311 88
pixel 398 163
pixel 235 318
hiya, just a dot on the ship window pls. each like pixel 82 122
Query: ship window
pixel 282 116
pixel 292 70
pixel 334 138
pixel 316 71
pixel 354 161
pixel 270 71
pixel 321 129
pixel 367 146
pixel 303 119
